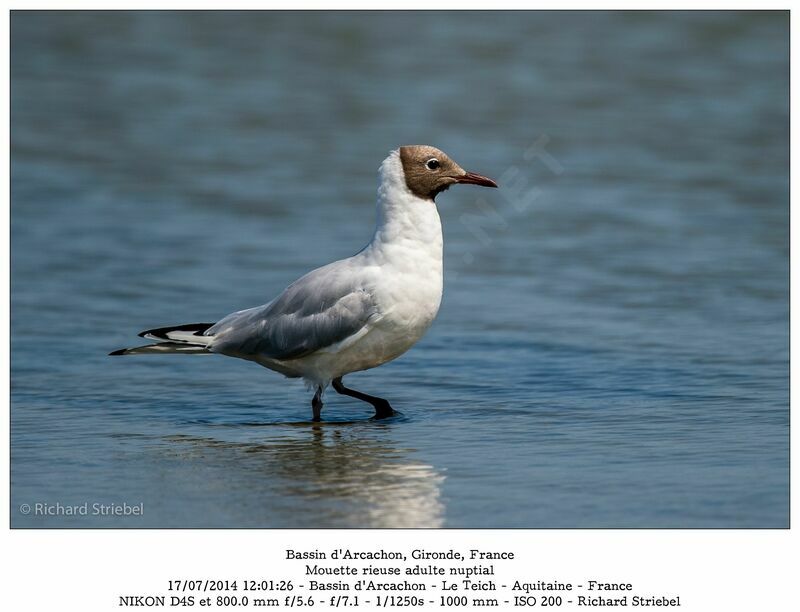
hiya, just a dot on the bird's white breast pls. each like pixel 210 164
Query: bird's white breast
pixel 407 250
pixel 402 271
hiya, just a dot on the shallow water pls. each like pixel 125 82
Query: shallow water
pixel 612 349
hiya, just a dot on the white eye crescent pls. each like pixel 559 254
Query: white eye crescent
pixel 432 164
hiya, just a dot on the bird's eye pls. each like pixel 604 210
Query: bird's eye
pixel 432 164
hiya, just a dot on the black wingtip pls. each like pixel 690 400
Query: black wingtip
pixel 161 332
pixel 119 352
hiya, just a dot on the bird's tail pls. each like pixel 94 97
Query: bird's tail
pixel 177 339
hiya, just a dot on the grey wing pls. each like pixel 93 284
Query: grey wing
pixel 320 309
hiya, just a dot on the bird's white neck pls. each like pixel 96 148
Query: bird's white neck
pixel 405 221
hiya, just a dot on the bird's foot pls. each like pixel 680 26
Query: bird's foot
pixel 316 405
pixel 383 409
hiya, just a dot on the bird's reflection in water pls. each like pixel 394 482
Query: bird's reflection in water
pixel 328 475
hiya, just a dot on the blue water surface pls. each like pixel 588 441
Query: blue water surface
pixel 612 348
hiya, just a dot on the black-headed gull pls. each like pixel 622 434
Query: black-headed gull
pixel 353 314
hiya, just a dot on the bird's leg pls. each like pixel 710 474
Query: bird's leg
pixel 316 404
pixel 382 407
